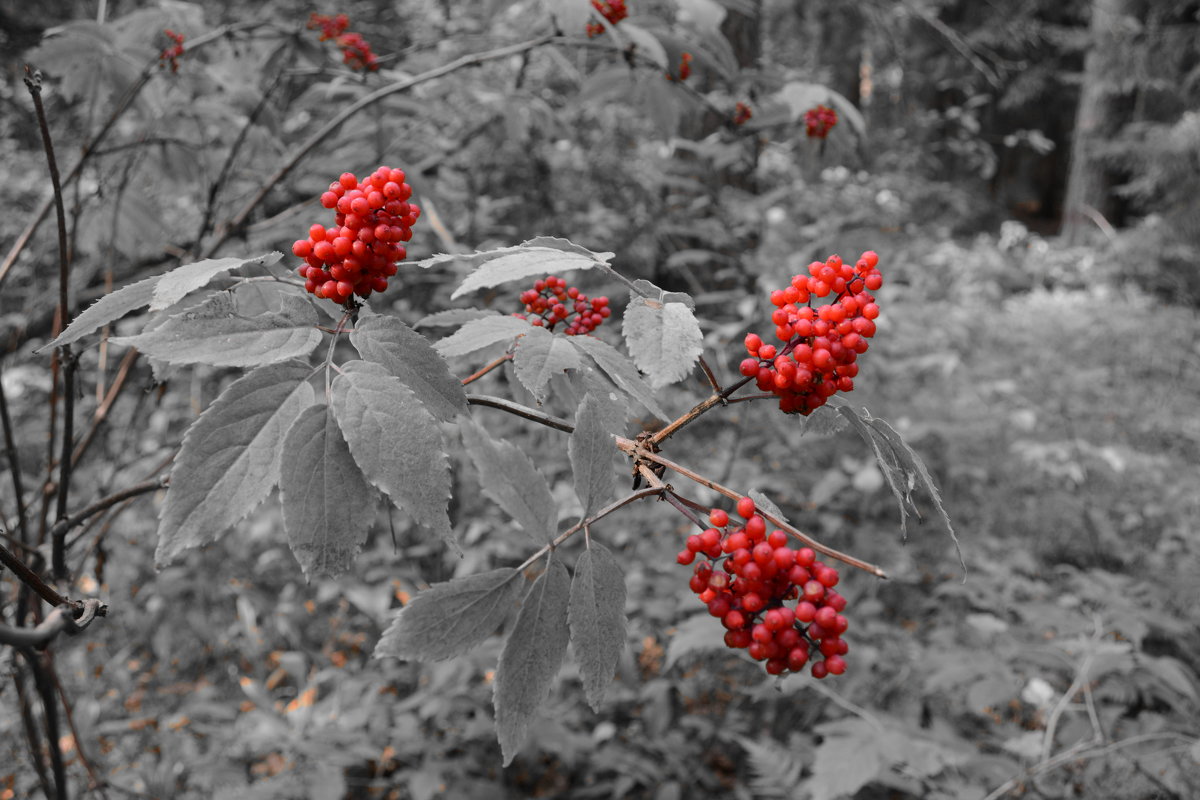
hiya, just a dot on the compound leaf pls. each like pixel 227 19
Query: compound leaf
pixel 328 506
pixel 540 355
pixel 510 478
pixel 591 451
pixel 663 337
pixel 216 333
pixel 531 657
pixel 479 333
pixel 230 457
pixel 395 442
pixel 173 286
pixel 410 357
pixel 450 618
pixel 597 620
pixel 621 370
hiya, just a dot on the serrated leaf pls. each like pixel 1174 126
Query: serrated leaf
pixel 620 368
pixel 566 245
pixel 597 620
pixel 765 503
pixel 902 468
pixel 590 449
pixel 521 262
pixel 111 307
pixel 531 657
pixel 539 356
pixel 328 506
pixel 454 317
pixel 448 619
pixel 395 441
pixel 215 333
pixel 510 478
pixel 663 338
pixel 230 457
pixel 478 334
pixel 410 357
pixel 775 769
pixel 173 286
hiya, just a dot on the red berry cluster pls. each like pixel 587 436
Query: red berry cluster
pixel 551 301
pixel 819 121
pixel 821 344
pixel 359 253
pixel 170 55
pixel 612 10
pixel 356 51
pixel 775 602
pixel 741 114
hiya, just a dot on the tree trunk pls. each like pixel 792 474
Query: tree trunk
pixel 1089 201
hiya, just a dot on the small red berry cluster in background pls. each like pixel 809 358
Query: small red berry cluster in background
pixel 819 121
pixel 685 67
pixel 551 301
pixel 356 51
pixel 775 602
pixel 821 344
pixel 359 253
pixel 612 10
pixel 170 55
pixel 741 114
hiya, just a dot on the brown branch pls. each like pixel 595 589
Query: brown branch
pixel 105 406
pixel 712 378
pixel 63 526
pixel 239 220
pixel 637 452
pixel 14 464
pixel 717 398
pixel 95 782
pixel 60 620
pixel 31 578
pixel 486 368
pixel 519 410
pixel 583 524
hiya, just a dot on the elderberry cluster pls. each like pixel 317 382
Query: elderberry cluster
pixel 358 254
pixel 356 51
pixel 170 55
pixel 776 603
pixel 821 344
pixel 551 301
pixel 612 10
pixel 819 121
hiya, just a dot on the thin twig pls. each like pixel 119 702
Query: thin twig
pixel 329 128
pixel 583 524
pixel 486 368
pixel 32 738
pixel 521 411
pixel 717 398
pixel 14 464
pixel 60 529
pixel 94 780
pixel 638 452
pixel 712 378
pixel 60 620
pixel 105 406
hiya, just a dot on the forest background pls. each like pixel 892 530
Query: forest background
pixel 1029 173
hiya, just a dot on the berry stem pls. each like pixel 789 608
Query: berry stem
pixel 338 331
pixel 484 370
pixel 708 373
pixel 634 450
pixel 585 523
pixel 717 398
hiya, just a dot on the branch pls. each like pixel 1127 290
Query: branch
pixel 583 524
pixel 14 464
pixel 521 411
pixel 239 220
pixel 60 620
pixel 638 452
pixel 60 529
pixel 486 368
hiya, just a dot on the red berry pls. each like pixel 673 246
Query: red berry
pixel 718 518
pixel 745 507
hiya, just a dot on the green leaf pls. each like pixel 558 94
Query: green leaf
pixel 531 657
pixel 112 306
pixel 410 357
pixel 526 261
pixel 395 442
pixel 230 457
pixel 591 450
pixel 448 619
pixel 328 506
pixel 663 338
pixel 597 620
pixel 902 467
pixel 621 370
pixel 173 286
pixel 215 333
pixel 479 333
pixel 539 356
pixel 510 478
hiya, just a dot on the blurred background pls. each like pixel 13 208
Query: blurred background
pixel 1028 171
